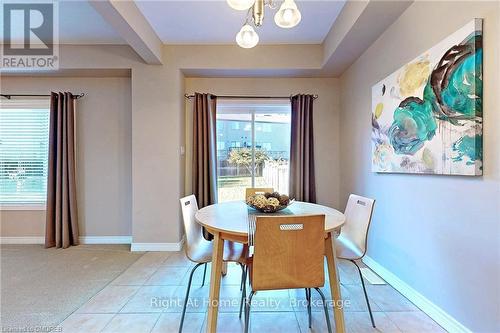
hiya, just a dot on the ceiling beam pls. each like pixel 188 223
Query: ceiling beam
pixel 358 26
pixel 132 26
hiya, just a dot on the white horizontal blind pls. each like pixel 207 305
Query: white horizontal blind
pixel 24 142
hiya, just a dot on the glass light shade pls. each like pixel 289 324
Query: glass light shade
pixel 247 37
pixel 288 16
pixel 240 4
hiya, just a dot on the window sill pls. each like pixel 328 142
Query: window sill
pixel 21 207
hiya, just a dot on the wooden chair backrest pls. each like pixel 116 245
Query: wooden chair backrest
pixel 288 252
pixel 255 190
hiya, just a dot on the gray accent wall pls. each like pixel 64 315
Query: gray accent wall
pixel 439 234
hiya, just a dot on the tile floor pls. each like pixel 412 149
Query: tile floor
pixel 148 297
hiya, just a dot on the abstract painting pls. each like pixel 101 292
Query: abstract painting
pixel 427 115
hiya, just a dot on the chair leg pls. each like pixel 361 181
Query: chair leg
pixel 242 275
pixel 308 299
pixel 366 295
pixel 187 295
pixel 325 307
pixel 247 310
pixel 204 274
pixel 244 291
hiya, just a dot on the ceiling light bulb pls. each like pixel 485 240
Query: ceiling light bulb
pixel 288 16
pixel 247 37
pixel 240 4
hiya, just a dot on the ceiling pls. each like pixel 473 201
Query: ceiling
pixel 214 22
pixel 79 23
pixel 195 22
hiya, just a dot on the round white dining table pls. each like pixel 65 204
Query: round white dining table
pixel 229 221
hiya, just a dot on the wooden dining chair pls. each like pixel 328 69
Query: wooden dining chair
pixel 353 239
pixel 288 254
pixel 199 250
pixel 256 190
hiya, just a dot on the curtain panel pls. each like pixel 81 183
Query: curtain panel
pixel 302 182
pixel 61 229
pixel 204 168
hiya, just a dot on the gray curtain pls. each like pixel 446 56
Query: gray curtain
pixel 204 169
pixel 302 184
pixel 61 229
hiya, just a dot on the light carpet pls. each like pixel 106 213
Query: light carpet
pixel 41 287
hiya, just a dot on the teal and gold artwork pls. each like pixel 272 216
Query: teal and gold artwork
pixel 427 116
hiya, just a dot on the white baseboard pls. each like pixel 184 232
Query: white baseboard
pixel 105 239
pixel 82 240
pixel 22 240
pixel 141 247
pixel 432 310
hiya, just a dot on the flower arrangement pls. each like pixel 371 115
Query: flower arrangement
pixel 269 202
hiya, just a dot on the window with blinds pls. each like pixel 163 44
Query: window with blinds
pixel 24 141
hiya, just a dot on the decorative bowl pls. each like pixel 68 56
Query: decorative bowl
pixel 269 202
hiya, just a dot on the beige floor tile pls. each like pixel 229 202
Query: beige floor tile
pixel 135 276
pixel 276 322
pixel 354 298
pixel 85 323
pixel 227 323
pixel 156 257
pixel 273 300
pixel 414 322
pixel 198 297
pixel 318 322
pixel 132 323
pixel 233 276
pixel 154 288
pixel 169 322
pixel 348 273
pixel 388 299
pixel 178 259
pixel 298 299
pixel 153 299
pixel 167 276
pixel 359 322
pixel 197 276
pixel 109 300
pixel 229 299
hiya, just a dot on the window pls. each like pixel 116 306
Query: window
pixel 234 125
pixel 259 148
pixel 24 141
pixel 221 145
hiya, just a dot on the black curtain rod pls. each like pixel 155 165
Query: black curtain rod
pixel 248 97
pixel 9 96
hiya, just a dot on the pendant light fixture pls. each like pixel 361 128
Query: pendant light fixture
pixel 287 16
pixel 247 37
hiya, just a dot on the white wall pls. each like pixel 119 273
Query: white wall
pixel 104 147
pixel 439 234
pixel 326 121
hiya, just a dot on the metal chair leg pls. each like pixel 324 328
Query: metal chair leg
pixel 325 307
pixel 366 295
pixel 204 274
pixel 187 295
pixel 242 275
pixel 247 310
pixel 244 291
pixel 308 299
